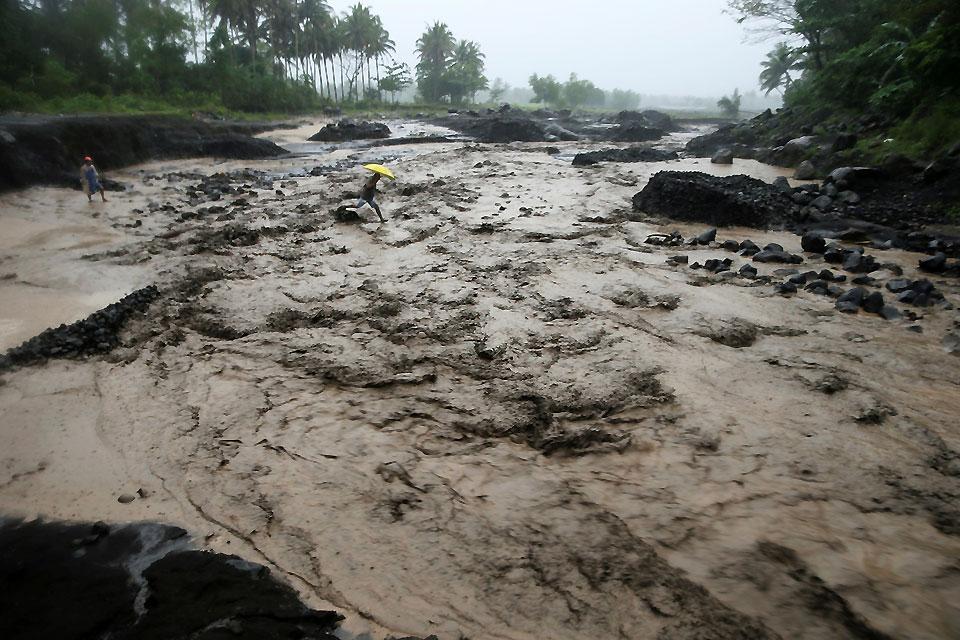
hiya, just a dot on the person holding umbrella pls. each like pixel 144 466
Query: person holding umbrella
pixel 369 193
pixel 90 180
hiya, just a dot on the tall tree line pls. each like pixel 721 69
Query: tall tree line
pixel 257 55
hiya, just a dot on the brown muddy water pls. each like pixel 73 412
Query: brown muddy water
pixel 498 415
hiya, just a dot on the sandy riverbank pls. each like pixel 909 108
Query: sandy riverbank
pixel 396 417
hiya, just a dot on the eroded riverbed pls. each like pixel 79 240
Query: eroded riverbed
pixel 499 415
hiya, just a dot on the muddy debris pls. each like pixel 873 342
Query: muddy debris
pixel 735 333
pixel 583 441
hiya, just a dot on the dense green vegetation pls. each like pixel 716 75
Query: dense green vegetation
pixel 448 69
pixel 215 55
pixel 576 93
pixel 895 62
pixel 730 105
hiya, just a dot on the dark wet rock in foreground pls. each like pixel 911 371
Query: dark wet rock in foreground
pixel 140 581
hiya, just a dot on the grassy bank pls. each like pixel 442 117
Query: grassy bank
pixel 187 105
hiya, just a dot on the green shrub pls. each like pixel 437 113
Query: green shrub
pixel 930 130
pixel 243 90
pixel 13 100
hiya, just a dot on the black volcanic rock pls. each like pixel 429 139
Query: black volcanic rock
pixel 82 580
pixel 351 130
pixel 631 154
pixel 718 201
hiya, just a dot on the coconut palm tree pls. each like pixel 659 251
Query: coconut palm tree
pixel 314 18
pixel 435 47
pixel 228 14
pixel 280 24
pixel 243 16
pixel 465 75
pixel 777 67
pixel 358 33
pixel 381 46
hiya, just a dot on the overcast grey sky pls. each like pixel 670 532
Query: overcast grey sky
pixel 679 47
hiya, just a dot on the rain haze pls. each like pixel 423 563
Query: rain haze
pixel 684 47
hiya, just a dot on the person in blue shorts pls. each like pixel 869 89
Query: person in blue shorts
pixel 90 180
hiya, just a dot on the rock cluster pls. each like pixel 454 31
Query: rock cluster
pixel 97 333
pixel 635 132
pixel 630 154
pixel 347 129
pixel 724 201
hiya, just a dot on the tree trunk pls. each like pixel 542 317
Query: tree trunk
pixel 203 18
pixel 193 33
pixel 331 87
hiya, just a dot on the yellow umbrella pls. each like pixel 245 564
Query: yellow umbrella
pixel 382 170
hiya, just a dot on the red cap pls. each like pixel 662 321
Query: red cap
pixel 87 159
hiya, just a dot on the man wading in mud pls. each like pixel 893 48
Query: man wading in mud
pixel 90 180
pixel 369 193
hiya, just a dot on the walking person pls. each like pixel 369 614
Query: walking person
pixel 369 193
pixel 90 180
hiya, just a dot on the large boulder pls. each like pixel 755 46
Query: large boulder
pixel 511 129
pixel 854 178
pixel 635 132
pixel 649 118
pixel 660 120
pixel 552 129
pixel 631 154
pixel 718 201
pixel 351 130
pixel 794 151
pixel 737 137
pixel 805 171
pixel 723 156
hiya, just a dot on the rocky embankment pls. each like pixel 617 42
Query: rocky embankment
pixel 50 149
pixel 813 144
pixel 508 124
pixel 858 204
pixel 347 129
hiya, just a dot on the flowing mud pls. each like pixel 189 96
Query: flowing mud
pixel 501 414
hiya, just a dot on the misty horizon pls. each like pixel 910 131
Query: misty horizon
pixel 691 48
